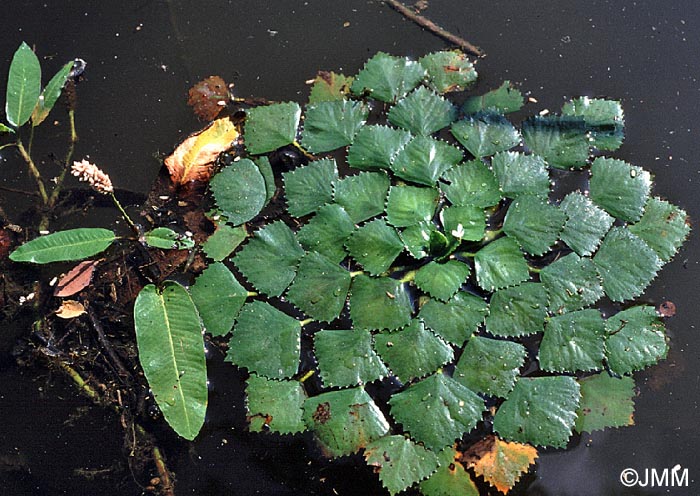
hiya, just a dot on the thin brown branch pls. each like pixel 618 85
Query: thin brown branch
pixel 435 29
pixel 102 338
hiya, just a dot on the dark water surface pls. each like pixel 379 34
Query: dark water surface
pixel 143 56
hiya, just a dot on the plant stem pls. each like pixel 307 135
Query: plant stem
pixel 124 214
pixel 303 150
pixel 356 273
pixel 408 276
pixel 66 162
pixel 307 376
pixel 166 483
pixel 34 171
pixel 491 235
pixel 304 322
pixel 534 270
pixel 251 294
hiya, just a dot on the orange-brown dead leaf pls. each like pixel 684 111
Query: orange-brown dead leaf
pixel 209 97
pixel 193 159
pixel 500 463
pixel 77 279
pixel 70 309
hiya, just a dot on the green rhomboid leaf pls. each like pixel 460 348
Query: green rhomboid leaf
pixel 270 127
pixel 534 223
pixel 442 280
pixel 636 339
pixel 504 99
pixel 573 342
pixel 376 146
pixel 517 311
pixel 309 187
pixel 171 352
pixel 663 227
pixel 448 70
pixel 422 112
pixel 486 133
pixel 456 319
pixel 218 297
pixel 500 264
pixel 330 125
pixel 239 191
pixel 490 366
pixel 387 78
pixel 274 406
pixel 347 358
pixel 606 401
pixel 450 479
pixel 619 188
pixel 379 303
pixel 375 245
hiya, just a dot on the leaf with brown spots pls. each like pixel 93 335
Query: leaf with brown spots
pixel 209 97
pixel 193 159
pixel 500 463
pixel 329 86
pixel 77 279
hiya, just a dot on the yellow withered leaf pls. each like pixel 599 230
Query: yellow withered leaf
pixel 193 159
pixel 70 309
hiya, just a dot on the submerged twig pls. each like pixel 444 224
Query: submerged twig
pixel 434 28
pixel 102 338
pixel 34 171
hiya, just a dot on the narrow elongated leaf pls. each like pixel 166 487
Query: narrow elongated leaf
pixel 270 258
pixel 218 297
pixel 422 112
pixel 412 352
pixel 484 134
pixel 331 125
pixel 309 187
pixel 456 319
pixel 663 227
pixel 270 127
pixel 239 191
pixel 344 421
pixel 320 287
pixel 50 94
pixel 562 141
pixel 450 479
pixel 329 86
pixel 572 283
pixel 399 462
pixel 347 358
pixel 636 339
pixel 379 303
pixel 327 231
pixel 442 280
pixel 23 86
pixel 464 222
pixel 519 174
pixel 539 411
pixel 471 184
pixel 605 402
pixel 410 205
pixel 223 241
pixel 506 98
pixel 586 224
pixel 274 405
pixel 387 78
pixel 362 196
pixel 499 462
pixel 171 352
pixel 437 410
pixel 619 188
pixel 375 147
pixel 448 70
pixel 167 239
pixel 604 119
pixel 573 342
pixel 624 276
pixel 534 223
pixel 424 159
pixel 375 245
pixel 500 264
pixel 490 366
pixel 62 246
pixel 517 311
pixel 266 341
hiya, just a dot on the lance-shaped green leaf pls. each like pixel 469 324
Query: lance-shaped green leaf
pixel 624 276
pixel 379 303
pixel 619 188
pixel 344 421
pixel 410 205
pixel 500 264
pixel 375 147
pixel 485 133
pixel 422 112
pixel 534 223
pixel 347 358
pixel 562 141
pixel 270 127
pixel 50 94
pixel 167 239
pixel 506 98
pixel 5 129
pixel 471 184
pixel 539 411
pixel 464 222
pixel 450 479
pixel 223 241
pixel 329 86
pixel 309 187
pixel 605 402
pixel 490 366
pixel 663 227
pixel 518 174
pixel 586 224
pixel 23 86
pixel 400 462
pixel 320 287
pixel 454 320
pixel 437 410
pixel 171 352
pixel 517 311
pixel 218 297
pixel 387 78
pixel 274 406
pixel 270 258
pixel 572 283
pixel 636 339
pixel 412 352
pixel 442 280
pixel 448 70
pixel 263 164
pixel 424 159
pixel 239 190
pixel 331 125
pixel 573 342
pixel 265 341
pixel 62 246
pixel 604 119
pixel 362 196
pixel 327 231
pixel 375 245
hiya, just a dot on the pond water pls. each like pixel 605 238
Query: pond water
pixel 143 56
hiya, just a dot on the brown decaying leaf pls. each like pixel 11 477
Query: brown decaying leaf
pixel 77 279
pixel 193 159
pixel 500 463
pixel 209 97
pixel 70 309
